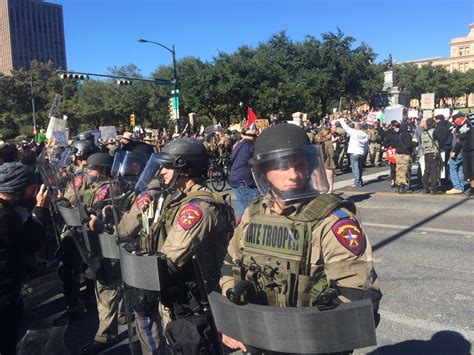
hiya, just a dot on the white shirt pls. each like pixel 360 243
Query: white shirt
pixel 358 139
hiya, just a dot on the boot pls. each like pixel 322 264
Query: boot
pixel 402 189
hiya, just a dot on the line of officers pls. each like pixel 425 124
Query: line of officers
pixel 158 204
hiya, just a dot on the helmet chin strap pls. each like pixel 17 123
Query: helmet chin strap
pixel 172 186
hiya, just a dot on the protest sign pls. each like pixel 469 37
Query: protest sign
pixel 427 101
pixel 107 131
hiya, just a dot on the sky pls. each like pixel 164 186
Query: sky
pixel 103 33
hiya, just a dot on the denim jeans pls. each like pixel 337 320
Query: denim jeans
pixel 356 166
pixel 243 196
pixel 456 173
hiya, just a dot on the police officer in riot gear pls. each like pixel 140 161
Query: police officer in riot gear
pixel 190 216
pixel 125 169
pixel 71 263
pixel 297 245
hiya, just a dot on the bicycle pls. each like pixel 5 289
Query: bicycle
pixel 217 173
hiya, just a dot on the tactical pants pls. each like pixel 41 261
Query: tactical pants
pixel 109 304
pixel 432 170
pixel 403 165
pixel 374 154
pixel 150 331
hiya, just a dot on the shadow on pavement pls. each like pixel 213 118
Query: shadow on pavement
pixel 360 197
pixel 416 225
pixel 441 343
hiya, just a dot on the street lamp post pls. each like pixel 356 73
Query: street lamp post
pixel 172 50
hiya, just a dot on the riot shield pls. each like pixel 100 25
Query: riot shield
pixel 296 330
pixel 131 222
pixel 75 219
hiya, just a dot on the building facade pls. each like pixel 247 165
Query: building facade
pixel 461 58
pixel 31 30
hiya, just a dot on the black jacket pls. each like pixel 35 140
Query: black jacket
pixel 465 133
pixel 16 238
pixel 442 135
pixel 404 143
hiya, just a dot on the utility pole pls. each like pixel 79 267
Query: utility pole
pixel 33 105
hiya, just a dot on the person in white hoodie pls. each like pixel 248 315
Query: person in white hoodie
pixel 356 149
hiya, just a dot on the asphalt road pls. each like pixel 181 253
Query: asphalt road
pixel 423 249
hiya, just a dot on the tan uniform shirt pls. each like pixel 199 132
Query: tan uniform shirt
pixel 207 227
pixel 341 263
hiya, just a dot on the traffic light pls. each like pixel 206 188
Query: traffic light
pixel 172 109
pixel 132 119
pixel 74 76
pixel 123 82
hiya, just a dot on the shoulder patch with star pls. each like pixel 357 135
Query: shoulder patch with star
pixel 143 201
pixel 77 183
pixel 102 192
pixel 349 233
pixel 189 216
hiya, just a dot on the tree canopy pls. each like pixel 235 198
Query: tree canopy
pixel 278 75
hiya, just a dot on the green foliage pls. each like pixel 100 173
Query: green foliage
pixel 279 75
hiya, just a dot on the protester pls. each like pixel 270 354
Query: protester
pixel 405 146
pixel 456 173
pixel 465 133
pixel 433 161
pixel 241 179
pixel 325 139
pixel 24 212
pixel 356 149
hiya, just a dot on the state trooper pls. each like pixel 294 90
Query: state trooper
pixel 71 264
pixel 297 245
pixel 174 214
pixel 126 167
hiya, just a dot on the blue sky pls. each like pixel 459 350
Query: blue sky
pixel 103 33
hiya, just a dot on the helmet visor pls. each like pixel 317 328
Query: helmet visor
pixel 150 174
pixel 290 174
pixel 128 164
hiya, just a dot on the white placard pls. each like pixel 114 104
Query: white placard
pixel 60 137
pixel 442 111
pixel 412 113
pixel 427 113
pixel 55 125
pixel 371 117
pixel 393 114
pixel 107 131
pixel 427 101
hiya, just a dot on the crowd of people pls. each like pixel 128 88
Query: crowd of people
pixel 150 193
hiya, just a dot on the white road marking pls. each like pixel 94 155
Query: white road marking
pixel 421 229
pixel 445 268
pixel 423 324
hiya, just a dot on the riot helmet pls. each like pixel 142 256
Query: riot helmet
pixel 185 156
pixel 83 148
pixel 286 166
pixel 97 167
pixel 128 164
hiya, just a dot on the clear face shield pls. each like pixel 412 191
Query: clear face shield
pixel 94 174
pixel 128 164
pixel 151 178
pixel 291 174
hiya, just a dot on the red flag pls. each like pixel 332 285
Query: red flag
pixel 251 118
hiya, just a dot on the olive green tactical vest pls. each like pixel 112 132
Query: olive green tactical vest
pixel 276 252
pixel 88 197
